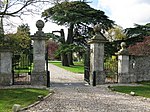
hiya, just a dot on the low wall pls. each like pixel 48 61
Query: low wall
pixel 139 68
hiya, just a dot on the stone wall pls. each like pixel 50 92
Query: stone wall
pixel 139 68
pixel 5 67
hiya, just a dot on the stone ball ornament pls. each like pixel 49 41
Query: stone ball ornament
pixel 40 24
pixel 97 28
pixel 123 45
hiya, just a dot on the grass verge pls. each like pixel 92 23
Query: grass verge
pixel 142 90
pixel 21 96
pixel 78 67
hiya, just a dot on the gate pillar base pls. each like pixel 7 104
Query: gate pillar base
pixel 5 79
pixel 100 78
pixel 39 79
pixel 123 78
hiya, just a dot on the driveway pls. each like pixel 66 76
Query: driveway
pixel 72 94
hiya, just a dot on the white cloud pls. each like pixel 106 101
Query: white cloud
pixel 127 12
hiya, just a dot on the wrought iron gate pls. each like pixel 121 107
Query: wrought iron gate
pixel 111 69
pixel 22 67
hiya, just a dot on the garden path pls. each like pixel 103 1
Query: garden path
pixel 72 94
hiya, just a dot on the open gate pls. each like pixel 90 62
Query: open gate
pixel 22 67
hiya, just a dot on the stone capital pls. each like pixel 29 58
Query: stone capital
pixel 98 38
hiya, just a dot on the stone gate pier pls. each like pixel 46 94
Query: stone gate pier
pixel 5 67
pixel 38 76
pixel 97 56
pixel 123 64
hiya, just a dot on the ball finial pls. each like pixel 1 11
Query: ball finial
pixel 40 24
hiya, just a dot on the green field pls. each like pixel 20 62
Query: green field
pixel 21 96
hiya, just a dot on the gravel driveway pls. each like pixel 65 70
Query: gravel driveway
pixel 72 94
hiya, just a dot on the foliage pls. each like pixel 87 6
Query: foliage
pixel 17 8
pixel 52 47
pixel 20 41
pixel 141 48
pixel 134 35
pixel 79 17
pixel 111 66
pixel 138 31
pixel 22 96
pixel 78 67
pixel 112 47
pixel 76 12
pixel 116 33
pixel 66 48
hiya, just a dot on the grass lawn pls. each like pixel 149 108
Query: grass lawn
pixel 142 90
pixel 77 68
pixel 22 96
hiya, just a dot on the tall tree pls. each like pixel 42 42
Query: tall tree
pixel 76 14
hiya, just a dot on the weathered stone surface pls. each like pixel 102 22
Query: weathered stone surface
pixel 97 55
pixel 39 78
pixel 123 64
pixel 97 62
pixel 124 78
pixel 140 68
pixel 5 67
pixel 5 79
pixel 100 77
pixel 16 108
pixel 6 62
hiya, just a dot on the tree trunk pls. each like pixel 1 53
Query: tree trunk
pixel 70 41
pixel 64 59
pixel 1 31
pixel 70 58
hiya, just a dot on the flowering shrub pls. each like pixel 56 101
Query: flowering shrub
pixel 140 48
pixel 52 47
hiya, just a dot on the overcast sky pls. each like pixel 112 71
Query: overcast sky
pixel 124 12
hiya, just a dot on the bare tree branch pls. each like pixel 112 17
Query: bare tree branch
pixel 11 8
